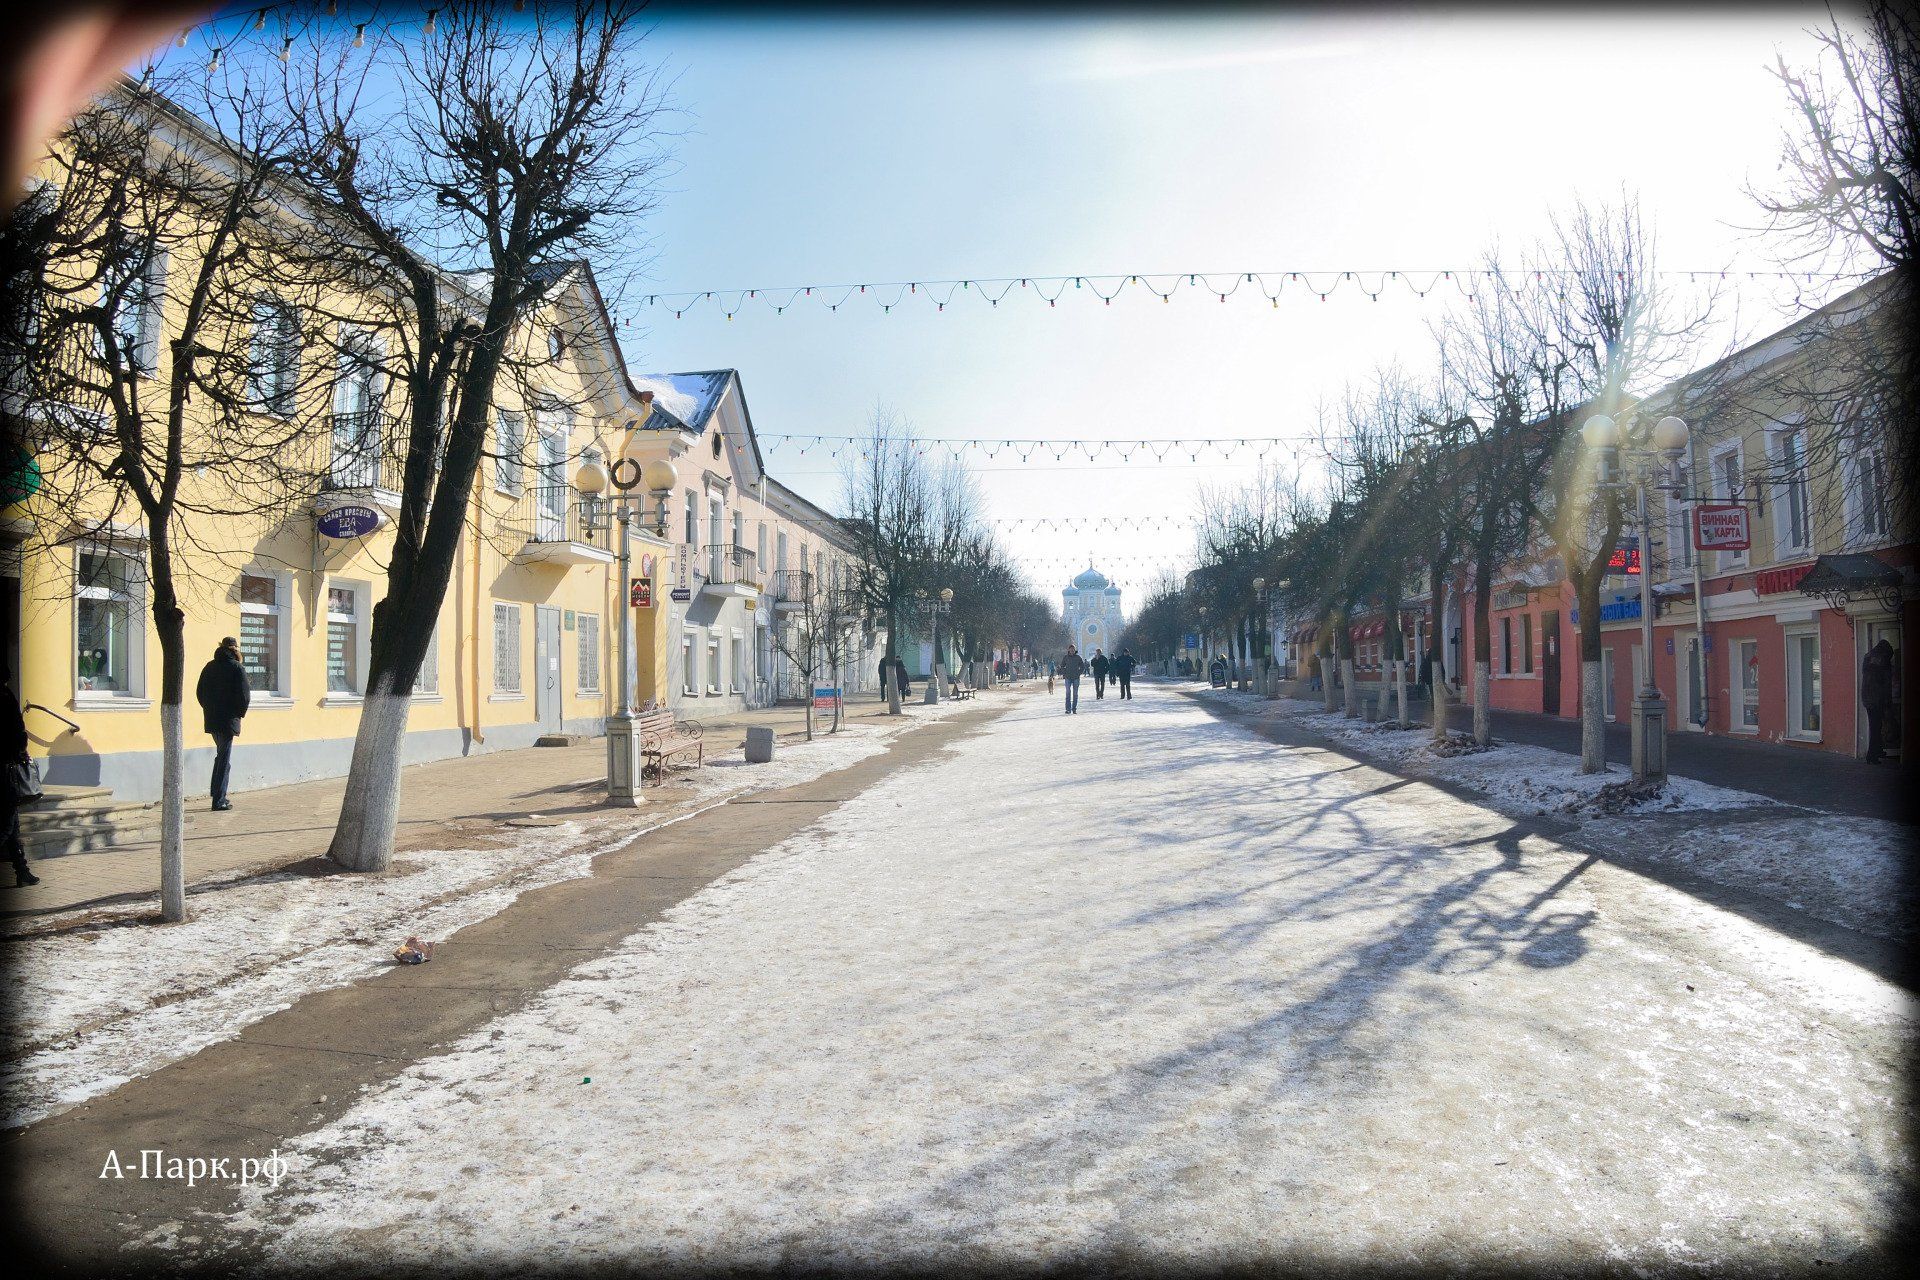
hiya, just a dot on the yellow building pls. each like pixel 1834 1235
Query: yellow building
pixel 524 646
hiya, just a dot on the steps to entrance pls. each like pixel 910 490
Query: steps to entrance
pixel 81 819
pixel 560 739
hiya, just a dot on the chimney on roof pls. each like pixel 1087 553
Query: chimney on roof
pixel 646 397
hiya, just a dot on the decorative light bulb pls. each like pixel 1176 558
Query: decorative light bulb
pixel 359 34
pixel 427 29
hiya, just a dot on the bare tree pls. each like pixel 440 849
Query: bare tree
pixel 499 153
pixel 161 386
pixel 889 495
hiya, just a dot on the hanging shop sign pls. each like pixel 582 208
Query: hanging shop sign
pixel 640 594
pixel 350 520
pixel 682 568
pixel 680 595
pixel 1721 528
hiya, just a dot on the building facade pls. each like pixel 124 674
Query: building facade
pixel 1090 608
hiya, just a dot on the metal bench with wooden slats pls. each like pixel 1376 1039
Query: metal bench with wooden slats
pixel 662 737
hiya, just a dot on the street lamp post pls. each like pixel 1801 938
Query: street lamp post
pixel 934 606
pixel 1260 625
pixel 597 511
pixel 1650 460
pixel 1206 649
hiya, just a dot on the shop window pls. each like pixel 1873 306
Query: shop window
pixel 344 641
pixel 427 680
pixel 587 632
pixel 108 626
pixel 689 663
pixel 739 663
pixel 1746 660
pixel 713 665
pixel 263 633
pixel 506 648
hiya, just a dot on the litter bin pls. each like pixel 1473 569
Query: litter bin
pixel 759 744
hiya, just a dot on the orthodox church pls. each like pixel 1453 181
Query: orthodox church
pixel 1091 610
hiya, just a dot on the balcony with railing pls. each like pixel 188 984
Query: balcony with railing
pixel 728 569
pixel 367 456
pixel 789 589
pixel 552 526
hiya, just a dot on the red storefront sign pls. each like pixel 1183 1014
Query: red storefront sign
pixel 641 593
pixel 1721 528
pixel 1770 582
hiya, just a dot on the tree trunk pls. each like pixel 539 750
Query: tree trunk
pixel 1329 663
pixel 1400 690
pixel 893 652
pixel 1352 701
pixel 1593 727
pixel 170 624
pixel 1439 708
pixel 1483 650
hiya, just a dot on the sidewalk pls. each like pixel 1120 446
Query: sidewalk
pixel 444 802
pixel 1791 775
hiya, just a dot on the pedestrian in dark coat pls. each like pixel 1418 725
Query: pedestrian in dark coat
pixel 1876 695
pixel 1123 672
pixel 1072 667
pixel 223 695
pixel 1099 666
pixel 13 750
pixel 901 678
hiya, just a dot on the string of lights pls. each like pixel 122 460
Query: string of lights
pixel 1222 285
pixel 1061 449
pixel 276 27
pixel 1071 524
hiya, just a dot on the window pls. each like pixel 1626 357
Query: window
pixel 1680 523
pixel 780 549
pixel 343 640
pixel 761 548
pixel 1746 674
pixel 739 662
pixel 1506 645
pixel 693 519
pixel 1791 517
pixel 587 632
pixel 716 444
pixel 506 648
pixel 689 666
pixel 510 443
pixel 1866 497
pixel 553 495
pixel 427 680
pixel 713 664
pixel 263 633
pixel 273 356
pixel 556 344
pixel 1526 643
pixel 135 290
pixel 357 391
pixel 1803 685
pixel 108 630
pixel 1729 485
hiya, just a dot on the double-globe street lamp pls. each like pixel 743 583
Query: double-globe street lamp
pixel 1649 458
pixel 627 474
pixel 934 606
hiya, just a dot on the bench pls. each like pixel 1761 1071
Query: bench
pixel 661 737
pixel 959 692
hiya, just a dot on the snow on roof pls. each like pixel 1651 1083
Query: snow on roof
pixel 690 397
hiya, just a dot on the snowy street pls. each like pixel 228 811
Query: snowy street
pixel 1140 985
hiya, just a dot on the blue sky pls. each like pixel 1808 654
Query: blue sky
pixel 833 151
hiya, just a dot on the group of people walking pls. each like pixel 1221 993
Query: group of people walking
pixel 1118 668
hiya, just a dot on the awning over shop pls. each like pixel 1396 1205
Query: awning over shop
pixel 1840 580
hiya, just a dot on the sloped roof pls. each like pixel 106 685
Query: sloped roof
pixel 690 398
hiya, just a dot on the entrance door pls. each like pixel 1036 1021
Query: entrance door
pixel 546 669
pixel 1870 634
pixel 1550 658
pixel 10 630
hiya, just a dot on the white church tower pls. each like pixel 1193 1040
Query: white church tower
pixel 1091 610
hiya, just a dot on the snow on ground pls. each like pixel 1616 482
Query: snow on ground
pixel 99 1003
pixel 1516 778
pixel 1168 993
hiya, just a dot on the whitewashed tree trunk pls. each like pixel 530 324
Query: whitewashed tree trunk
pixel 1593 720
pixel 1353 689
pixel 173 814
pixel 893 694
pixel 370 813
pixel 1483 702
pixel 1400 691
pixel 1439 706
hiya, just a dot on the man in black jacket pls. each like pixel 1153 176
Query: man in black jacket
pixel 1099 667
pixel 1123 672
pixel 223 695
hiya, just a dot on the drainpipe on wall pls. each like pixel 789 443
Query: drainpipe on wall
pixel 473 631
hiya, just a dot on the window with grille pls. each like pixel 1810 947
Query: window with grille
pixel 343 640
pixel 428 678
pixel 262 633
pixel 587 632
pixel 506 648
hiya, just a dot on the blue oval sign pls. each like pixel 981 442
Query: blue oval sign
pixel 348 522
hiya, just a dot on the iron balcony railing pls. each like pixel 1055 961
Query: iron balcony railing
pixel 790 585
pixel 556 513
pixel 729 564
pixel 368 450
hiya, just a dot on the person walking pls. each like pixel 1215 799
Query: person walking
pixel 1876 695
pixel 17 786
pixel 223 696
pixel 1123 672
pixel 1072 667
pixel 1099 667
